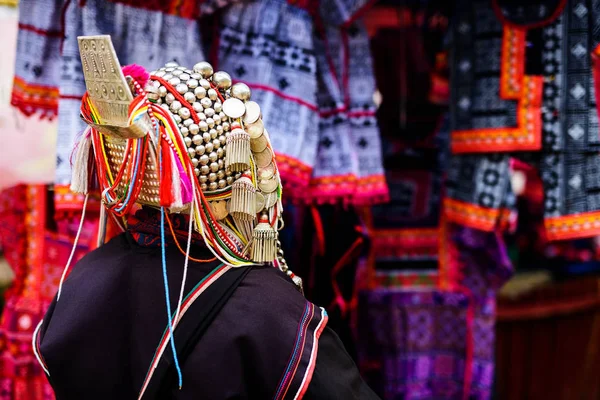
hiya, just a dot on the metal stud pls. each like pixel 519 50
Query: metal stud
pixel 222 80
pixel 204 69
pixel 200 92
pixel 241 91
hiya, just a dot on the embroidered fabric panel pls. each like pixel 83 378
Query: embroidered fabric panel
pixel 269 46
pixel 140 36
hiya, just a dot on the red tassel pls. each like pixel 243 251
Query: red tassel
pixel 166 174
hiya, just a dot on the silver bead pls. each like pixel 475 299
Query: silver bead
pixel 228 172
pixel 205 84
pixel 202 116
pixel 210 122
pixel 189 97
pixel 216 144
pixel 220 152
pixel 192 83
pixel 156 84
pixel 170 69
pixel 213 157
pixel 241 91
pixel 200 92
pixel 175 106
pixel 175 81
pixel 209 147
pixel 194 129
pixel 206 137
pixel 203 126
pixel 219 129
pixel 196 76
pixel 209 112
pixel 212 177
pixel 229 180
pixel 196 171
pixel 212 94
pixel 160 74
pixel 188 122
pixel 169 98
pixel 223 139
pixel 218 106
pixel 225 126
pixel 204 159
pixel 203 179
pixel 188 141
pixel 162 91
pixel 184 131
pixel 222 183
pixel 214 167
pixel 221 174
pixel 197 140
pixel 223 116
pixel 222 80
pixel 217 119
pixel 212 186
pixel 171 65
pixel 165 106
pixel 221 164
pixel 184 77
pixel 184 113
pixel 191 152
pixel 200 150
pixel 204 187
pixel 197 106
pixel 177 72
pixel 204 69
pixel 205 169
pixel 181 88
pixel 195 162
pixel 206 103
pixel 177 118
pixel 213 133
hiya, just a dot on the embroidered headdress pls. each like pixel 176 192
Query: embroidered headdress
pixel 183 141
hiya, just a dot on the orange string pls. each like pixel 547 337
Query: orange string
pixel 179 246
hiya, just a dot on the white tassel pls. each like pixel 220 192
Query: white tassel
pixel 80 172
pixel 177 205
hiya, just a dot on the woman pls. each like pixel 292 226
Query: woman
pixel 191 149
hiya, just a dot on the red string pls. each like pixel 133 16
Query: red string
pixel 345 260
pixel 319 230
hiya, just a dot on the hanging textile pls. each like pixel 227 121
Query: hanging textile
pixel 312 74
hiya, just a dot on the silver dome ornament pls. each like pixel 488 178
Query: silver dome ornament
pixel 182 88
pixel 188 141
pixel 200 149
pixel 209 147
pixel 184 77
pixel 169 98
pixel 189 97
pixel 184 113
pixel 218 106
pixel 171 65
pixel 162 91
pixel 206 137
pixel 175 106
pixel 203 178
pixel 212 186
pixel 192 83
pixel 196 171
pixel 206 103
pixel 214 167
pixel 222 183
pixel 195 161
pixel 160 73
pixel 205 170
pixel 197 106
pixel 177 72
pixel 188 122
pixel 222 80
pixel 197 140
pixel 220 152
pixel 194 129
pixel 196 76
pixel 212 177
pixel 203 126
pixel 213 133
pixel 234 108
pixel 177 118
pixel 221 174
pixel 212 94
pixel 204 187
pixel 204 69
pixel 209 112
pixel 204 159
pixel 167 76
pixel 184 131
pixel 191 152
pixel 174 81
pixel 241 91
pixel 200 92
pixel 205 84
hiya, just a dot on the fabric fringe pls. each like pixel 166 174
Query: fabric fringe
pixel 80 177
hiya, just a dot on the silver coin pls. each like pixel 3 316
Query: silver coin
pixel 252 112
pixel 234 108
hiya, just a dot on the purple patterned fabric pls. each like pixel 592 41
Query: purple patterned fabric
pixel 412 344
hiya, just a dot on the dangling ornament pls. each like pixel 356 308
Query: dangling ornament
pixel 264 246
pixel 243 199
pixel 238 150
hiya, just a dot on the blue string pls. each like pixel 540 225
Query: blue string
pixel 166 282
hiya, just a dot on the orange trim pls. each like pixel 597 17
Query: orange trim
pixel 514 85
pixel 471 215
pixel 29 97
pixel 573 226
pixel 293 169
pixel 405 242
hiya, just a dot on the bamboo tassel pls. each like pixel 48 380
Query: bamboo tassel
pixel 81 172
pixel 264 244
pixel 243 198
pixel 238 151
